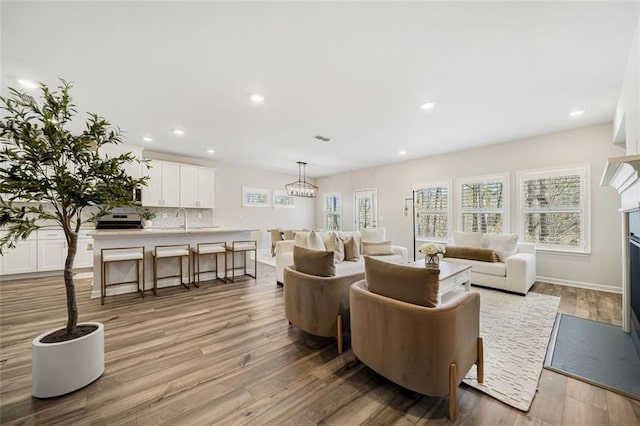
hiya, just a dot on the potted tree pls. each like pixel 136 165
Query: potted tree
pixel 51 176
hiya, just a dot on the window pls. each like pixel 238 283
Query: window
pixel 554 208
pixel 433 211
pixel 332 211
pixel 483 204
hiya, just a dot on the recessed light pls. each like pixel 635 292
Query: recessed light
pixel 256 98
pixel 577 113
pixel 147 139
pixel 178 132
pixel 402 152
pixel 28 84
pixel 211 151
pixel 428 105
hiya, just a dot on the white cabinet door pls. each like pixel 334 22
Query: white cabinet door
pixel 206 188
pixel 20 260
pixel 170 185
pixel 51 254
pixel 84 255
pixel 189 186
pixel 135 170
pixel 152 193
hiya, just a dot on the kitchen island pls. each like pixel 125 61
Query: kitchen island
pixel 149 238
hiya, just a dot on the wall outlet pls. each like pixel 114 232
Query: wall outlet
pixel 199 216
pixel 239 216
pixel 164 215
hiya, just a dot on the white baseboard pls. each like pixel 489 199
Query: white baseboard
pixel 580 284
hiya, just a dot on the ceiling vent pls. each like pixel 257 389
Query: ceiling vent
pixel 322 138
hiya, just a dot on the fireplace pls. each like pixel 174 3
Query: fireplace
pixel 634 276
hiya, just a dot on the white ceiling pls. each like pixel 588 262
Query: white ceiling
pixel 355 72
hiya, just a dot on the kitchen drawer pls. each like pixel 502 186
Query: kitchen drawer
pixel 50 234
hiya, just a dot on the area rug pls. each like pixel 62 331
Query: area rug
pixel 515 330
pixel 595 352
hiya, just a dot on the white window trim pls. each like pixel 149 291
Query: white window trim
pixel 499 177
pixel 375 206
pixel 324 211
pixel 449 185
pixel 584 170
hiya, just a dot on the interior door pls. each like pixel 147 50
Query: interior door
pixel 365 208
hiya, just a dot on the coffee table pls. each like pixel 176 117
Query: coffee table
pixel 451 276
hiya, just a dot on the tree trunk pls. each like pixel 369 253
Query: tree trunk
pixel 72 307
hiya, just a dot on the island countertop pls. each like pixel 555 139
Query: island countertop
pixel 154 232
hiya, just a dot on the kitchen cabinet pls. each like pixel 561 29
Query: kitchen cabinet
pixel 197 187
pixel 135 170
pixel 22 258
pixel 163 187
pixel 84 254
pixel 52 250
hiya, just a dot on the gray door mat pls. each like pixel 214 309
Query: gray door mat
pixel 597 353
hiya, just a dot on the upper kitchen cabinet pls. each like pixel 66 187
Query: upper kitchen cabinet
pixel 197 187
pixel 135 170
pixel 163 186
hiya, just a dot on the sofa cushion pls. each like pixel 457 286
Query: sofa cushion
pixel 373 234
pixel 314 262
pixel 336 245
pixel 409 284
pixel 504 245
pixel 315 241
pixel 377 248
pixel 497 269
pixel 471 253
pixel 301 238
pixel 351 251
pixel 467 239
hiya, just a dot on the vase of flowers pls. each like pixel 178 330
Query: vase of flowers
pixel 431 252
pixel 147 218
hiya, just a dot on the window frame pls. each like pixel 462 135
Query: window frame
pixel 506 199
pixel 326 212
pixel 584 172
pixel 449 210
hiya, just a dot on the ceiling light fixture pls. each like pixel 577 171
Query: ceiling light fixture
pixel 147 139
pixel 28 84
pixel 211 151
pixel 256 98
pixel 577 113
pixel 302 188
pixel 427 105
pixel 402 152
pixel 178 132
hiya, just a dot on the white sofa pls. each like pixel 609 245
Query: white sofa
pixel 516 274
pixel 284 253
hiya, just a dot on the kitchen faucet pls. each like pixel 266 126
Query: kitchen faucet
pixel 186 225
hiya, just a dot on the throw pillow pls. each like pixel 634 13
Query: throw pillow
pixel 336 245
pixel 471 253
pixel 300 239
pixel 373 234
pixel 417 285
pixel 378 248
pixel 504 245
pixel 467 239
pixel 314 262
pixel 351 251
pixel 315 242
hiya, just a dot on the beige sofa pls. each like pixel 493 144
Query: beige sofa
pixel 515 272
pixel 318 305
pixel 427 350
pixel 284 253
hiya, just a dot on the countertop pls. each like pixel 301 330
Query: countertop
pixel 164 231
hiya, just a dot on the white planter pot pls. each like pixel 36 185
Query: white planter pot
pixel 60 368
pixel 147 224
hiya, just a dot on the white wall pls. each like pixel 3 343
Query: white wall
pixel 228 198
pixel 590 145
pixel 626 124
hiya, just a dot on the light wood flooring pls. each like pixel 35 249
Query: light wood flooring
pixel 224 354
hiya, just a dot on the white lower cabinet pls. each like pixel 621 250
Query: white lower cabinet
pixel 22 259
pixel 84 255
pixel 52 250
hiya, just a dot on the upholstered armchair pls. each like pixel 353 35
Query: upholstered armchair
pixel 427 350
pixel 318 305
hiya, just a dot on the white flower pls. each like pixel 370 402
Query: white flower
pixel 431 249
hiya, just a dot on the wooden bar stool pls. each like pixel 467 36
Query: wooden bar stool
pixel 169 252
pixel 123 254
pixel 205 249
pixel 243 247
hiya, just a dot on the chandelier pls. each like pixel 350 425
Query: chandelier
pixel 302 188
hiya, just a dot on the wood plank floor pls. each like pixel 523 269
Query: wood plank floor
pixel 224 354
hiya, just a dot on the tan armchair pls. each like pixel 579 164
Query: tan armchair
pixel 427 350
pixel 318 305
